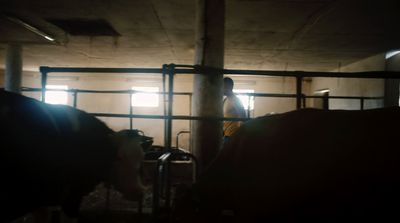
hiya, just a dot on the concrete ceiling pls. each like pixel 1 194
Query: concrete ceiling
pixel 311 35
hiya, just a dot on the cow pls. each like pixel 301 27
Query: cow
pixel 303 165
pixel 53 155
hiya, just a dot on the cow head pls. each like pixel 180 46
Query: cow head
pixel 125 175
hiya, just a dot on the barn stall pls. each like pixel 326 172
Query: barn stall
pixel 168 165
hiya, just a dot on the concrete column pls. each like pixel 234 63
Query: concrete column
pixel 13 75
pixel 207 88
pixel 392 86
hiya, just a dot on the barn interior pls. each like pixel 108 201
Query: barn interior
pixel 346 50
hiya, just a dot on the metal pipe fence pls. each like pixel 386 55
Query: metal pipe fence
pixel 172 69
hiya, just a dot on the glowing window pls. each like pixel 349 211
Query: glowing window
pixel 245 99
pixel 57 97
pixel 146 98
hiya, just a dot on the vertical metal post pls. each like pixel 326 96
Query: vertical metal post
pixel 325 101
pixel 248 106
pixel 44 83
pixel 75 98
pixel 254 108
pixel 165 98
pixel 167 184
pixel 130 111
pixel 362 103
pixel 299 81
pixel 159 179
pixel 190 123
pixel 190 107
pixel 171 73
pixel 303 100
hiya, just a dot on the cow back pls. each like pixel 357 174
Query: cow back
pixel 308 164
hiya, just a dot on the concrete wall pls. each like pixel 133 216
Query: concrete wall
pixel 119 103
pixel 354 87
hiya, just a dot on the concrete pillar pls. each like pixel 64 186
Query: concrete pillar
pixel 392 86
pixel 207 88
pixel 13 75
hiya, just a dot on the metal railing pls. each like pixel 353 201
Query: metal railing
pixel 162 181
pixel 172 69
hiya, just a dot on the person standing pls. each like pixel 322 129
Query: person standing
pixel 233 108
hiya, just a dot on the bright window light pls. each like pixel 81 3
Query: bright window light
pixel 146 99
pixel 245 98
pixel 391 54
pixel 57 97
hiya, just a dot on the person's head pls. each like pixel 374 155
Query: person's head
pixel 228 85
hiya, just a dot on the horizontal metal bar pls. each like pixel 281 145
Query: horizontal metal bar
pixel 175 117
pixel 304 96
pixel 268 95
pixel 189 93
pixel 44 69
pixel 345 97
pixel 184 65
pixel 195 69
pixel 103 91
pixel 370 74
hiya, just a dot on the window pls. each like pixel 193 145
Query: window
pixel 146 98
pixel 57 97
pixel 245 98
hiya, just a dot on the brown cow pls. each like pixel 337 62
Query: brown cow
pixel 327 166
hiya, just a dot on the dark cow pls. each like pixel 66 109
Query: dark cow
pixel 53 155
pixel 327 166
